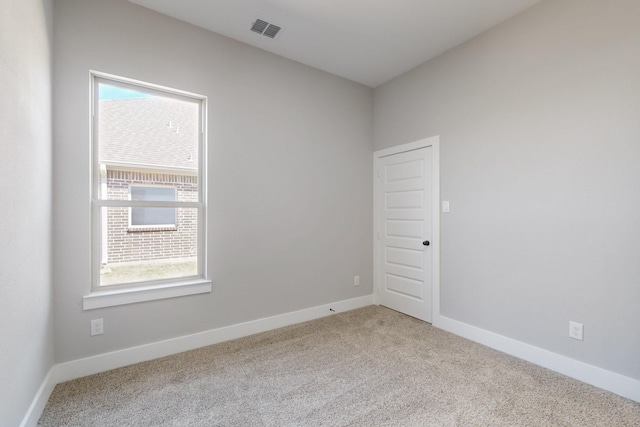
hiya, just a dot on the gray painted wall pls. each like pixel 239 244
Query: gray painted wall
pixel 540 158
pixel 290 175
pixel 26 331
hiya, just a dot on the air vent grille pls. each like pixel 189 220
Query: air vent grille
pixel 265 28
pixel 271 31
pixel 259 26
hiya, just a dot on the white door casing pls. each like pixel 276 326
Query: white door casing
pixel 406 228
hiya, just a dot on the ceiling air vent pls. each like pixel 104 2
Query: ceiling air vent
pixel 265 28
pixel 259 26
pixel 271 31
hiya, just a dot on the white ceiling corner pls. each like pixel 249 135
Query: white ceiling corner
pixel 367 41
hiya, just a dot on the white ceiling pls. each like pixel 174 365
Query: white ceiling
pixel 367 41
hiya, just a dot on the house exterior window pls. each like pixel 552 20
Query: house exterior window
pixel 142 219
pixel 148 191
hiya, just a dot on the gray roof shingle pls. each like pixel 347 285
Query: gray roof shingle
pixel 157 131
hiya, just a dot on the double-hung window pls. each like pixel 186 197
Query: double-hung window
pixel 148 192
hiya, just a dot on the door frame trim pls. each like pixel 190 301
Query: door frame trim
pixel 434 143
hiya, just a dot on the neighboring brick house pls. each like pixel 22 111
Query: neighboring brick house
pixel 148 151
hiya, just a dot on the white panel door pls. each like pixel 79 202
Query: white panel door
pixel 405 231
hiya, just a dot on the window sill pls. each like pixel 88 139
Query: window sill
pixel 115 297
pixel 145 229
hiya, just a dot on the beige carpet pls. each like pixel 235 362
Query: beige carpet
pixel 367 367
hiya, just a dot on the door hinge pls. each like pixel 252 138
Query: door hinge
pixel 379 173
pixel 378 235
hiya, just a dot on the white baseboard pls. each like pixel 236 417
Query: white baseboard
pixel 40 400
pixel 117 359
pixel 607 380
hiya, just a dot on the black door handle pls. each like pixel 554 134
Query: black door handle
pixel 426 243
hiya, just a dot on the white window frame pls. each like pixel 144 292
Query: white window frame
pixel 152 227
pixel 114 295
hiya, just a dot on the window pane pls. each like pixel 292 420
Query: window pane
pixel 145 139
pixel 153 216
pixel 153 193
pixel 129 256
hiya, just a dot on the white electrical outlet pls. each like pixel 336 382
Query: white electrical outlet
pixel 97 327
pixel 356 280
pixel 445 206
pixel 575 330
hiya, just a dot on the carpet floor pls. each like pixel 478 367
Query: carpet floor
pixel 367 367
